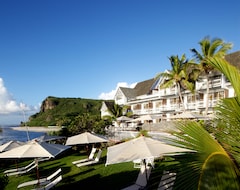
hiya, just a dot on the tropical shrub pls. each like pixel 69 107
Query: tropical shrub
pixel 3 181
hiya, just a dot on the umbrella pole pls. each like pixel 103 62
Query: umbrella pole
pixel 36 161
pixel 145 165
pixel 16 163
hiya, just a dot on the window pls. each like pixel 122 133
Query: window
pixel 218 95
pixel 174 100
pixel 191 99
pixel 161 103
pixel 200 97
pixel 137 107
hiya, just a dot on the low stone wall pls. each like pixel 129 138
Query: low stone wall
pixel 156 130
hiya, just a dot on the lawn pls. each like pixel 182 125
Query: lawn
pixel 96 176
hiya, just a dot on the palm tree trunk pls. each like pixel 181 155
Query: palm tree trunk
pixel 180 96
pixel 207 100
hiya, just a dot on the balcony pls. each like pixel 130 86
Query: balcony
pixel 212 84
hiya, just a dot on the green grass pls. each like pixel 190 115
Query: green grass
pixel 96 176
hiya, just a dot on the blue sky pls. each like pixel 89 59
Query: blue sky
pixel 86 48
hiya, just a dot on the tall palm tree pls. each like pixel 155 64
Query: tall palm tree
pixel 209 48
pixel 215 164
pixel 178 76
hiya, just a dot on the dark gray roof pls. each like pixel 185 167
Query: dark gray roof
pixel 109 104
pixel 128 92
pixel 141 88
pixel 234 58
pixel 144 87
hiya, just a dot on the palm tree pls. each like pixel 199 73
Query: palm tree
pixel 215 164
pixel 179 76
pixel 116 111
pixel 209 48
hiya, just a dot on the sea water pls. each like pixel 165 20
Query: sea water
pixel 8 134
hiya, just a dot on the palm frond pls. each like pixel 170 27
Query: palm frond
pixel 208 164
pixel 228 70
pixel 227 128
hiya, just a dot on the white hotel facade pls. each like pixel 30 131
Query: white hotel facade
pixel 148 99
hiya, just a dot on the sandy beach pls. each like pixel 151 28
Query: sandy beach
pixel 37 129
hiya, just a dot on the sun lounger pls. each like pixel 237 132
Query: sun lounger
pixel 139 162
pixel 96 160
pixel 25 169
pixel 90 157
pixel 22 171
pixel 42 181
pixel 142 179
pixel 167 181
pixel 51 184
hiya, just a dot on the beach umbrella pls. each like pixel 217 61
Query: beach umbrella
pixel 124 119
pixel 85 138
pixel 145 118
pixel 47 138
pixel 54 149
pixel 140 148
pixel 10 145
pixel 34 149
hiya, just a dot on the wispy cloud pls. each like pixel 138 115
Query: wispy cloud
pixel 10 109
pixel 110 95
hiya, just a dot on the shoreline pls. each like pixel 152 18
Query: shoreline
pixel 37 129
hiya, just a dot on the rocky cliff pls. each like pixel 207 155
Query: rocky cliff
pixel 49 103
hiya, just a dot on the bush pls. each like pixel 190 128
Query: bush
pixel 3 181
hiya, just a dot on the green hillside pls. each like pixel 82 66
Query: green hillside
pixel 62 111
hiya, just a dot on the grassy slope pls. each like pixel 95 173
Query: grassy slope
pixel 112 177
pixel 91 177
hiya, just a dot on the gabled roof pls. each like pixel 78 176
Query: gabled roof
pixel 144 87
pixel 128 92
pixel 109 104
pixel 141 88
pixel 234 58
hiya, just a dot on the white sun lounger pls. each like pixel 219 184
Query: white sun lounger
pixel 42 181
pixel 51 184
pixel 22 171
pixel 96 160
pixel 142 179
pixel 90 157
pixel 167 181
pixel 139 162
pixel 25 169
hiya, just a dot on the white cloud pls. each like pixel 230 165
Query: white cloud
pixel 110 95
pixel 11 110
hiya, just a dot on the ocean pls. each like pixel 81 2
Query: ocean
pixel 8 134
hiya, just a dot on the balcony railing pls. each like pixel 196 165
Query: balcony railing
pixel 176 107
pixel 212 84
